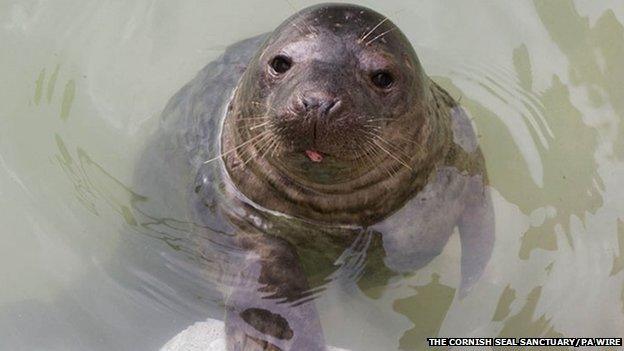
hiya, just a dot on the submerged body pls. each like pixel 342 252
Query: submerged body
pixel 318 148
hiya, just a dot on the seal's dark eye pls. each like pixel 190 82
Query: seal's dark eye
pixel 382 79
pixel 281 64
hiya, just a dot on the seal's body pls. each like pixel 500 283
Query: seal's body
pixel 321 141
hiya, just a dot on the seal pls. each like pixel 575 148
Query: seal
pixel 320 145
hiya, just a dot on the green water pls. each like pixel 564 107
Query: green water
pixel 83 83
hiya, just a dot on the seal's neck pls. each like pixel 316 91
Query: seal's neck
pixel 354 193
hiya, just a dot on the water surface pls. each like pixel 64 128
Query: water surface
pixel 83 86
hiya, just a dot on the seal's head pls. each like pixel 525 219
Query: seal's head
pixel 334 92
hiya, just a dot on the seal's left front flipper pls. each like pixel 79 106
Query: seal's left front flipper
pixel 476 230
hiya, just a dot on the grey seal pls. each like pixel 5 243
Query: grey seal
pixel 298 149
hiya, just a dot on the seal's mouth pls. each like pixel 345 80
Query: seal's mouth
pixel 314 155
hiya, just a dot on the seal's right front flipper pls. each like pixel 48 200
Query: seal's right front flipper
pixel 267 309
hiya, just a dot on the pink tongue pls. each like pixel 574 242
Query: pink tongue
pixel 314 156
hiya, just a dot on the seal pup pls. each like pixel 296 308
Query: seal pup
pixel 322 138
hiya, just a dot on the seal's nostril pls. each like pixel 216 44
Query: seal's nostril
pixel 310 103
pixel 330 105
pixel 320 104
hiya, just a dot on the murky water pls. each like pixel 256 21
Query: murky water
pixel 83 84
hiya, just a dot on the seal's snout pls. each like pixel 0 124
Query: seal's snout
pixel 320 104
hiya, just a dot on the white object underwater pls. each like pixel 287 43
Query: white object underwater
pixel 205 336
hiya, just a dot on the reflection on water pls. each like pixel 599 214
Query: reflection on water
pixel 528 322
pixel 618 258
pixel 426 309
pixel 91 262
pixel 502 309
pixel 595 52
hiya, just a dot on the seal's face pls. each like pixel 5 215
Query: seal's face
pixel 334 119
pixel 332 89
pixel 333 82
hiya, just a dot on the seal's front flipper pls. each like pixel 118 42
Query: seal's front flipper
pixel 476 230
pixel 267 309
